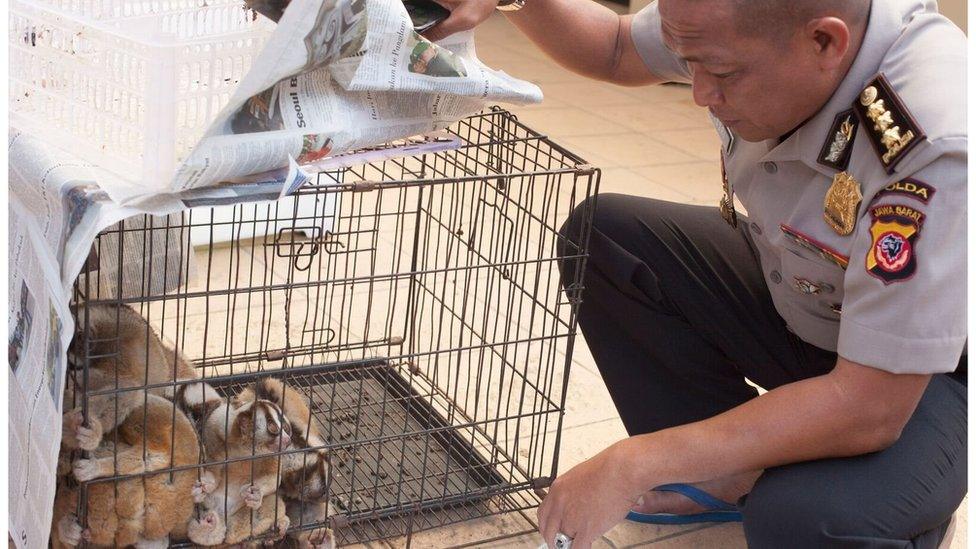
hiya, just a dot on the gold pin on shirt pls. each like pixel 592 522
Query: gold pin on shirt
pixel 841 203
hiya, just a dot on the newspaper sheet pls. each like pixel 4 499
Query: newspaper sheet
pixel 335 76
pixel 39 329
pixel 339 82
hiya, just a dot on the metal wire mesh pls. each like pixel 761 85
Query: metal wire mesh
pixel 415 306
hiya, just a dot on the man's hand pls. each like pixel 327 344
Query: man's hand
pixel 853 410
pixel 590 498
pixel 465 15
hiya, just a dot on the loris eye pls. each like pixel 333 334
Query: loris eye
pixel 273 429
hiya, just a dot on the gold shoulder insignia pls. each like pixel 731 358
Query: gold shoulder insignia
pixel 892 128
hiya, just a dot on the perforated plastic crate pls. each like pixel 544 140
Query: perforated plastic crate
pixel 130 85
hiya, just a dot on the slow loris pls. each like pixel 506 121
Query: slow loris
pixel 240 427
pixel 305 475
pixel 126 353
pixel 143 511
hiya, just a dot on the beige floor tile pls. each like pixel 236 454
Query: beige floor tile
pixel 569 122
pixel 581 443
pixel 725 536
pixel 589 155
pixel 959 541
pixel 538 71
pixel 701 181
pixel 526 541
pixel 628 150
pixel 587 93
pixel 472 531
pixel 661 94
pixel 686 108
pixel 629 534
pixel 701 143
pixel 582 357
pixel 547 103
pixel 627 181
pixel 587 400
pixel 531 540
pixel 371 545
pixel 647 119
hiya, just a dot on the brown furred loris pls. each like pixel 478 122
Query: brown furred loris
pixel 143 511
pixel 126 354
pixel 240 427
pixel 305 475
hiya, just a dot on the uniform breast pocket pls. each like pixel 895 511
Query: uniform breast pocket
pixel 815 286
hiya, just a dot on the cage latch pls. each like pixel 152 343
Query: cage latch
pixel 274 355
pixel 363 186
pixel 540 484
pixel 585 169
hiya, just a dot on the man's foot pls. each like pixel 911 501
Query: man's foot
pixel 728 489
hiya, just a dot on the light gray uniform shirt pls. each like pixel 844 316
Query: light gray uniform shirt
pixel 891 293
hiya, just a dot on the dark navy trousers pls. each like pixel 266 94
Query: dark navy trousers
pixel 677 314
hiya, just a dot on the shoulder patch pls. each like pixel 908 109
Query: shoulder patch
pixel 894 235
pixel 911 188
pixel 836 150
pixel 892 130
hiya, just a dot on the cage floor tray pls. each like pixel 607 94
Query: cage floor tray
pixel 395 456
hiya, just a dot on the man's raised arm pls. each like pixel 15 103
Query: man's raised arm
pixel 582 36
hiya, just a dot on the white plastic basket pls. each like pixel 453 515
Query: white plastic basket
pixel 130 85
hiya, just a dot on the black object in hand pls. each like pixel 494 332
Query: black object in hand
pixel 425 13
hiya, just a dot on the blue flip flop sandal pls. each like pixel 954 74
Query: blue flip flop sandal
pixel 718 510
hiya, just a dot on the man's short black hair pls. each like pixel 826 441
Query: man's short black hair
pixel 781 18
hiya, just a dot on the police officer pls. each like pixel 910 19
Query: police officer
pixel 843 126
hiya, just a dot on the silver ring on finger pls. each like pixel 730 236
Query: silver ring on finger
pixel 562 541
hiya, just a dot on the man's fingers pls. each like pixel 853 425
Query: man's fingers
pixel 548 525
pixel 442 30
pixel 582 542
pixel 459 20
pixel 464 16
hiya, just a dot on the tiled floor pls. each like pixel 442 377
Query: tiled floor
pixel 651 141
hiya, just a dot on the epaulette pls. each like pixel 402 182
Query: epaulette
pixel 892 130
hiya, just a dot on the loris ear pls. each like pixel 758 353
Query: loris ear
pixel 203 410
pixel 242 399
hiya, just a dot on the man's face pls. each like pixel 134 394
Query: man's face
pixel 761 87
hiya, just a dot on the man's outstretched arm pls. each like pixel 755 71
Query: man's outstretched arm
pixel 853 410
pixel 582 36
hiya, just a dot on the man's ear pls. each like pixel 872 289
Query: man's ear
pixel 830 40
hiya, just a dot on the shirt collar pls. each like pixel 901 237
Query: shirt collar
pixel 885 24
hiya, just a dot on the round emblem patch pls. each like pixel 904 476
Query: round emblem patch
pixel 892 251
pixel 894 233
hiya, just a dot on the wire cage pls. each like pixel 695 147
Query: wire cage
pixel 413 306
